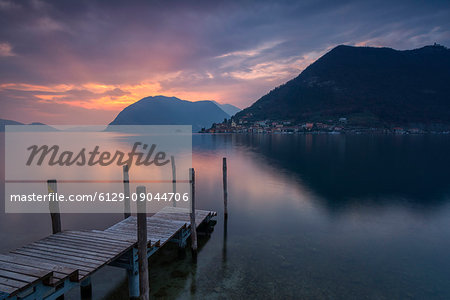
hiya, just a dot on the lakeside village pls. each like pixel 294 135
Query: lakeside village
pixel 338 126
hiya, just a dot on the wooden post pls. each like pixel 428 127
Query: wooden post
pixel 192 215
pixel 142 243
pixel 133 274
pixel 126 192
pixel 225 188
pixel 224 245
pixel 86 288
pixel 54 206
pixel 174 179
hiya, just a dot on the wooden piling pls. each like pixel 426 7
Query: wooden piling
pixel 142 243
pixel 192 215
pixel 126 192
pixel 86 289
pixel 54 206
pixel 225 187
pixel 174 179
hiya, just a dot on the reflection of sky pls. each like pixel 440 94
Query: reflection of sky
pixel 178 145
pixel 17 144
pixel 284 228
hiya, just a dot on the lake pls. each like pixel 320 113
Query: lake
pixel 310 216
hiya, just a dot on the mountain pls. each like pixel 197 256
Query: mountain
pixel 369 86
pixel 161 110
pixel 231 110
pixel 4 122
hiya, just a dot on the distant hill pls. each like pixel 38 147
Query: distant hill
pixel 228 108
pixel 369 86
pixel 4 122
pixel 161 110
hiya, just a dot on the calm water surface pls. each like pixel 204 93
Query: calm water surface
pixel 310 216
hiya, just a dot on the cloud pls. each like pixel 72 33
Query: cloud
pixel 9 5
pixel 6 49
pixel 102 56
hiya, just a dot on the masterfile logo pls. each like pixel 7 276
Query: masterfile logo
pixel 52 155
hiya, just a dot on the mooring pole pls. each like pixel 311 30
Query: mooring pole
pixel 142 243
pixel 126 192
pixel 174 179
pixel 86 289
pixel 54 211
pixel 192 215
pixel 54 206
pixel 225 191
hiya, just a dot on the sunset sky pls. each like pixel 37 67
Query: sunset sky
pixel 81 62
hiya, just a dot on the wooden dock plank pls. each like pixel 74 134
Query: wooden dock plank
pixel 74 260
pixel 75 245
pixel 104 236
pixel 59 261
pixel 13 283
pixel 94 237
pixel 67 252
pixel 20 277
pixel 85 241
pixel 79 273
pixel 22 261
pixel 27 270
pixel 7 289
pixel 152 239
pixel 160 239
pixel 160 229
pixel 77 249
pixel 123 237
pixel 6 266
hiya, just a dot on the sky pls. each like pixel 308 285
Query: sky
pixel 81 62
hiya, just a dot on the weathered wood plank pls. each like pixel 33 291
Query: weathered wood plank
pixel 13 283
pixel 107 238
pixel 33 271
pixel 152 240
pixel 151 222
pixel 56 260
pixel 154 226
pixel 20 260
pixel 132 232
pixel 95 257
pixel 74 260
pixel 87 243
pixel 119 235
pixel 75 249
pixel 104 235
pixel 77 245
pixel 20 277
pixel 85 240
pixel 79 273
pixel 24 269
pixel 7 289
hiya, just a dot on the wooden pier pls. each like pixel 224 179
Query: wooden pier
pixel 48 268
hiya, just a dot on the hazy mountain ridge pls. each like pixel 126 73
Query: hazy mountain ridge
pixel 4 122
pixel 162 110
pixel 44 127
pixel 370 85
pixel 231 110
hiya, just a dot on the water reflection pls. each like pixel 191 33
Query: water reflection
pixel 346 170
pixel 224 243
pixel 335 217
